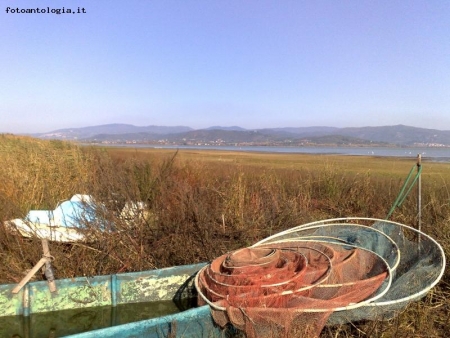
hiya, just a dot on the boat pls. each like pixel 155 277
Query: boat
pixel 408 269
pixel 118 305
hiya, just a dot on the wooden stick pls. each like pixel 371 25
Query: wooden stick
pixel 45 264
pixel 30 274
pixel 48 265
pixel 45 248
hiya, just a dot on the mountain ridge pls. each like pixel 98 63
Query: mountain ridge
pixel 398 135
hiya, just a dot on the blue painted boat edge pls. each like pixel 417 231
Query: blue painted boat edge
pixel 196 322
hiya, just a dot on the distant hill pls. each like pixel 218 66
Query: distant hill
pixel 302 131
pixel 399 135
pixel 85 133
pixel 220 136
pixel 225 128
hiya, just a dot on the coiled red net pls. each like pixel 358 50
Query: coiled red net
pixel 288 289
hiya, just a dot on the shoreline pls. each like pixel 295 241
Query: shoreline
pixel 439 155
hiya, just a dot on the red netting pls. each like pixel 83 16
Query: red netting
pixel 289 289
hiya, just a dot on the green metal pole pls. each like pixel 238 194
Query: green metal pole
pixel 419 195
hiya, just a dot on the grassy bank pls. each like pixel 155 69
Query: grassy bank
pixel 201 204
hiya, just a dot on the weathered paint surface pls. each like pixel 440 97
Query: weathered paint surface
pixel 72 296
pixel 10 304
pixel 136 287
pixel 151 288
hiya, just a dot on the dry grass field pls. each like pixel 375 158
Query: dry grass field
pixel 201 204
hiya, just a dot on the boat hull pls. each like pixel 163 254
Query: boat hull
pixel 92 306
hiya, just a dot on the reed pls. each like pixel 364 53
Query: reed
pixel 201 204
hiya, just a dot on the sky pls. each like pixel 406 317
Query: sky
pixel 249 63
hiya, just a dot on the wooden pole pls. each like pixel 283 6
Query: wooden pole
pixel 45 263
pixel 48 271
pixel 30 274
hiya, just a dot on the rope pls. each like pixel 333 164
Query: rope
pixel 402 194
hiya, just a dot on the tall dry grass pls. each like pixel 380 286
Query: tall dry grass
pixel 199 206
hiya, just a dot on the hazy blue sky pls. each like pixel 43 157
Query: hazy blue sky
pixel 253 64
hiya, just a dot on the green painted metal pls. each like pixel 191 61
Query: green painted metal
pixel 89 297
pixel 11 304
pixel 85 292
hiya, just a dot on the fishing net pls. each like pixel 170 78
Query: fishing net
pixel 332 271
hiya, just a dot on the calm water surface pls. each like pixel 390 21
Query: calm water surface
pixel 432 154
pixel 67 322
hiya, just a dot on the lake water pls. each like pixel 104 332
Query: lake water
pixel 431 154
